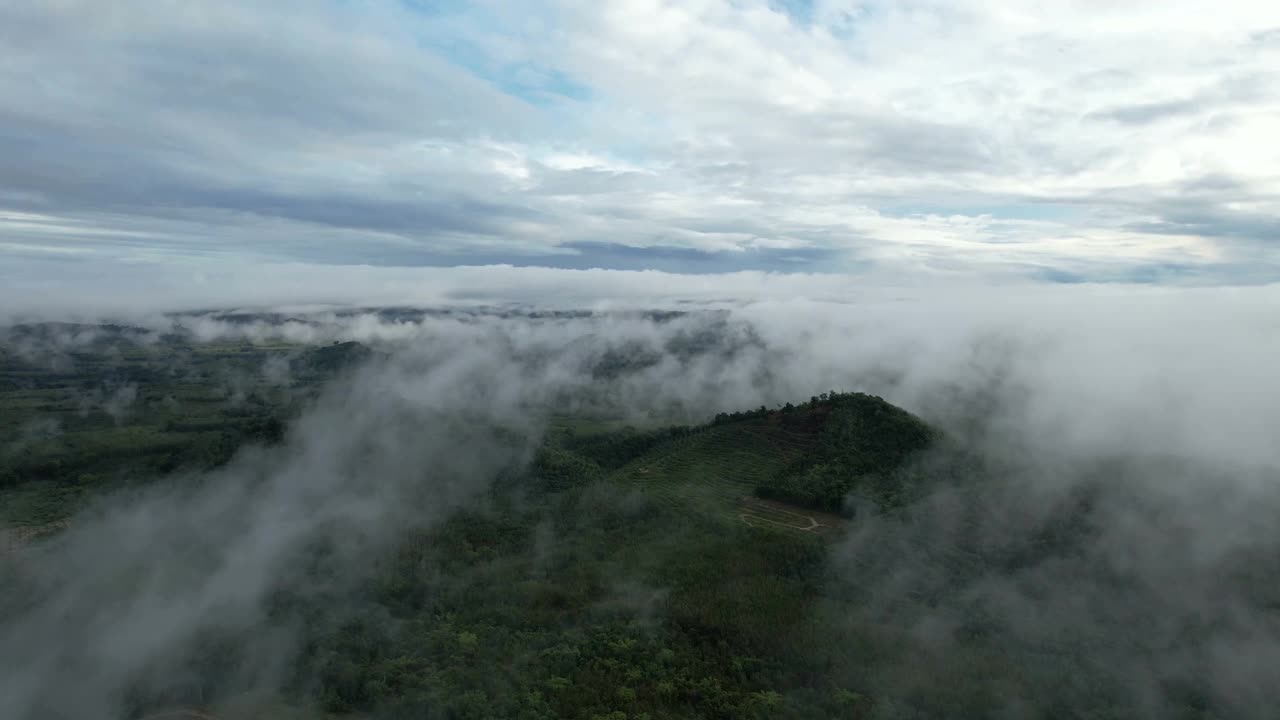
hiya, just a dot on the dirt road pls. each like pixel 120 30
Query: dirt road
pixel 758 512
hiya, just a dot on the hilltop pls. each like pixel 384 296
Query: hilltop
pixel 816 456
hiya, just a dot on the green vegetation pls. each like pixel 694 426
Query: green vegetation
pixel 624 574
pixel 617 578
pixel 333 358
pixel 623 583
pixel 862 443
pixel 115 410
pixel 590 598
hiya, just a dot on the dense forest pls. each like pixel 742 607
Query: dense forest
pixel 569 592
pixel 860 442
pixel 827 558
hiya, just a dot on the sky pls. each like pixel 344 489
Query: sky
pixel 145 144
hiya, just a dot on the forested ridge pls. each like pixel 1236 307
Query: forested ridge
pixel 827 558
pixel 587 588
pixel 571 594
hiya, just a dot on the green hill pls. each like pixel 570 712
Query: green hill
pixel 689 572
pixel 633 574
pixel 770 464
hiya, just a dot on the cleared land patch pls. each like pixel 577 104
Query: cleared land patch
pixel 716 470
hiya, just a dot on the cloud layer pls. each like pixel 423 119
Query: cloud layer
pixel 1061 141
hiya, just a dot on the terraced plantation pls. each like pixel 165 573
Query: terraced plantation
pixel 712 469
pixel 780 469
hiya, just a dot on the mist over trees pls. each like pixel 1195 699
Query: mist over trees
pixel 620 515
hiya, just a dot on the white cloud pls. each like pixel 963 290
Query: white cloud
pixel 1083 137
pixel 57 289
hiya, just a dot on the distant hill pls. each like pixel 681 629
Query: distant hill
pixel 334 358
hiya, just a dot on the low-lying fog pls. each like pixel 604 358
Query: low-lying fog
pixel 1169 396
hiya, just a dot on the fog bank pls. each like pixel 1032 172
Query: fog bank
pixel 1160 405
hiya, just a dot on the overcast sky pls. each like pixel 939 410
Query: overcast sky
pixel 1045 140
